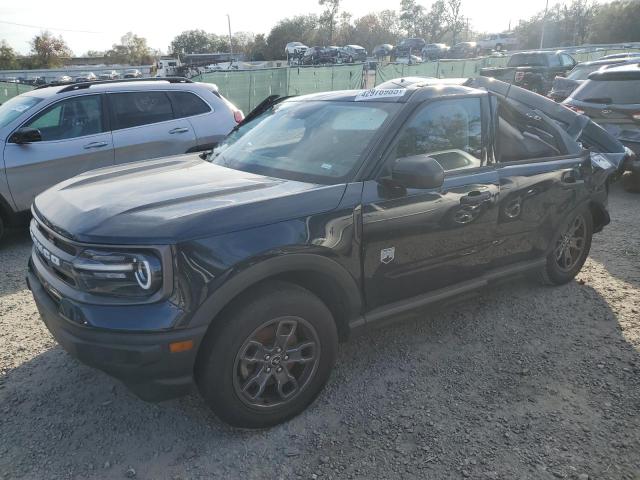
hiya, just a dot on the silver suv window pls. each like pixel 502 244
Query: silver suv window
pixel 70 118
pixel 133 109
pixel 187 104
pixel 13 108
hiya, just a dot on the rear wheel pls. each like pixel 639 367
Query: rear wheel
pixel 570 249
pixel 270 358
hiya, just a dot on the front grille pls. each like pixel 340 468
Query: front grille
pixel 58 242
pixel 55 253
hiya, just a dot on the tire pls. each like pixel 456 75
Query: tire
pixel 558 269
pixel 239 361
pixel 631 182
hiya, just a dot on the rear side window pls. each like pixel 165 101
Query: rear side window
pixel 527 60
pixel 187 104
pixel 133 109
pixel 619 92
pixel 71 118
pixel 566 60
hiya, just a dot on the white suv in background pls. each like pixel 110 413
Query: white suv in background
pixel 499 41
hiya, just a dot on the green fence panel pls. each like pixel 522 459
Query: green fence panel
pixel 397 70
pixel 303 80
pixel 451 68
pixel 10 90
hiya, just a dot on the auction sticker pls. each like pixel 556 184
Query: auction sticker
pixel 600 161
pixel 374 93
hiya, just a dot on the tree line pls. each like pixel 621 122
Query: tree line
pixel 566 23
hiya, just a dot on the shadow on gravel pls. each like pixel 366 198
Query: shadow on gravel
pixel 15 248
pixel 521 382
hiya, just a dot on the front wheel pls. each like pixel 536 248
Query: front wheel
pixel 631 182
pixel 570 249
pixel 270 357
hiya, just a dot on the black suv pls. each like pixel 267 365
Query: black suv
pixel 320 216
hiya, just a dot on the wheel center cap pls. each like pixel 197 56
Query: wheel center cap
pixel 275 361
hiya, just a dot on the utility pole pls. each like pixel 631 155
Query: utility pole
pixel 231 44
pixel 544 24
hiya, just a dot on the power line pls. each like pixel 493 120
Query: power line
pixel 47 28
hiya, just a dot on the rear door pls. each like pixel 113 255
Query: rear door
pixel 145 126
pixel 414 240
pixel 75 138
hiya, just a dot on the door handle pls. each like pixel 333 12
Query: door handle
pixel 95 145
pixel 475 197
pixel 178 130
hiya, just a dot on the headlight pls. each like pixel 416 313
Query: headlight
pixel 131 274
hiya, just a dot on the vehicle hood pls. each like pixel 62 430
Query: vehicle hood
pixel 173 199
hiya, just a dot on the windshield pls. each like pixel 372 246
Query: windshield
pixel 620 92
pixel 527 60
pixel 13 108
pixel 314 141
pixel 581 73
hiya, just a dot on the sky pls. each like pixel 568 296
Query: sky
pixel 98 25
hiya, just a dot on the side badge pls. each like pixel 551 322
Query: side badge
pixel 387 255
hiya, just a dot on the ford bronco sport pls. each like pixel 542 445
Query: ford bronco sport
pixel 321 216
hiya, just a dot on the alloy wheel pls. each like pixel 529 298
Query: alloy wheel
pixel 570 246
pixel 276 362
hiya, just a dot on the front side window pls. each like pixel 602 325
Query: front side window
pixel 450 131
pixel 71 118
pixel 133 109
pixel 313 141
pixel 16 106
pixel 582 72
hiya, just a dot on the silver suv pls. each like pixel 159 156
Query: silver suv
pixel 50 134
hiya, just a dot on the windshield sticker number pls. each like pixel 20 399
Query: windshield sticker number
pixel 600 161
pixel 380 93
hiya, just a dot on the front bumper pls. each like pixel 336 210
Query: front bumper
pixel 142 361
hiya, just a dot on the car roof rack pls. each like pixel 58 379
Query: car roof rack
pixel 69 87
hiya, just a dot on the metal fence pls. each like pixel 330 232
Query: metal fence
pixel 10 90
pixel 447 68
pixel 247 88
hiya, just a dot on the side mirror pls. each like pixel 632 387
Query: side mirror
pixel 26 135
pixel 418 171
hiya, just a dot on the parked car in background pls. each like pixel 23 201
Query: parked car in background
pixel 132 73
pixel 321 55
pixel 295 51
pixel 53 133
pixel 383 50
pixel 322 216
pixel 353 53
pixel 112 75
pixel 611 97
pixel 64 79
pixel 409 46
pixel 498 42
pixel 435 51
pixel 408 59
pixel 10 80
pixel 563 86
pixel 620 55
pixel 85 77
pixel 534 71
pixel 464 50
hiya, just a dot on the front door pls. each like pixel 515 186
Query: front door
pixel 75 139
pixel 145 126
pixel 415 241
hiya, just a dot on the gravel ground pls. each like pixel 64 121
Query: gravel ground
pixel 521 381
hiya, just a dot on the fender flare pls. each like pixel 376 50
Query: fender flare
pixel 247 277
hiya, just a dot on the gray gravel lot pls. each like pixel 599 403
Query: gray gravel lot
pixel 521 381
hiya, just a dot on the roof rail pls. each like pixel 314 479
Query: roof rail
pixel 69 87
